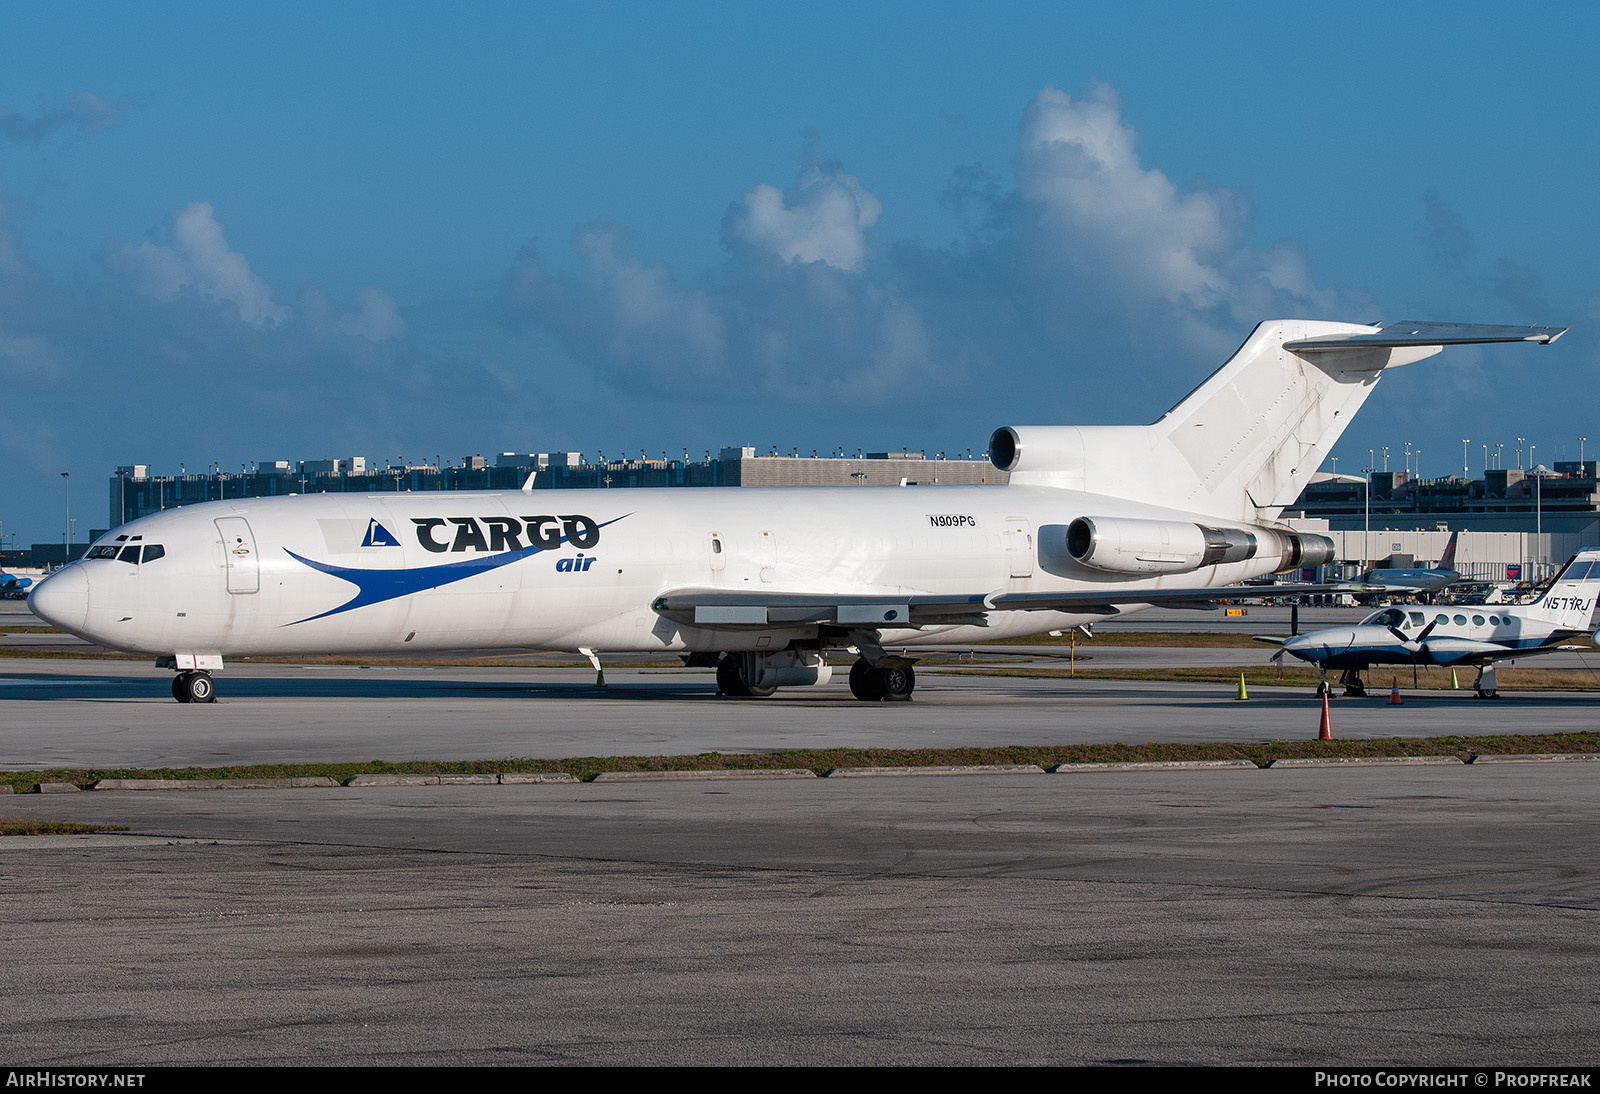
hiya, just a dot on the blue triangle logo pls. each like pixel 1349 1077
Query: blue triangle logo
pixel 379 536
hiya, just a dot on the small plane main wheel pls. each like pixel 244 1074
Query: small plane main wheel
pixel 1489 694
pixel 180 688
pixel 864 681
pixel 895 683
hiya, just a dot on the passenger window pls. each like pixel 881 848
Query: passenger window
pixel 1416 619
pixel 153 551
pixel 1461 621
pixel 1477 621
pixel 1441 619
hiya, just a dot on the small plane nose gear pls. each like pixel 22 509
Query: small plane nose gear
pixel 1353 686
pixel 194 687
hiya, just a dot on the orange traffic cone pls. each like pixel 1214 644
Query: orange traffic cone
pixel 1394 691
pixel 1325 732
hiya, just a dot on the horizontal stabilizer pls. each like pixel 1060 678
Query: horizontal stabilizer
pixel 1410 333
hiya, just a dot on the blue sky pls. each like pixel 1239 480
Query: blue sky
pixel 234 233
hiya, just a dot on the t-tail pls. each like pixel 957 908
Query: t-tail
pixel 1568 605
pixel 1242 445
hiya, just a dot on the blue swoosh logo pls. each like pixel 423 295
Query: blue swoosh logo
pixel 378 586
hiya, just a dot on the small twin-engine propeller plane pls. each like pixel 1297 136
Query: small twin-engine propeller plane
pixel 1476 635
pixel 1095 521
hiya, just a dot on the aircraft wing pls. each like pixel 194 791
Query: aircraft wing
pixel 723 608
pixel 1450 651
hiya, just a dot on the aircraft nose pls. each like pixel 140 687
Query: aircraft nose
pixel 62 599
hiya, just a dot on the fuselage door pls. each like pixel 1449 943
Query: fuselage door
pixel 1019 546
pixel 239 550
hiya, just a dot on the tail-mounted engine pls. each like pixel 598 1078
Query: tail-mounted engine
pixel 1124 545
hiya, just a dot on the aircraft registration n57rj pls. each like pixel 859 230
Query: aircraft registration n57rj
pixel 1095 521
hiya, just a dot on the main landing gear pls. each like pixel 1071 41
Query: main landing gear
pixel 891 680
pixel 1353 687
pixel 194 687
pixel 756 675
pixel 733 679
pixel 1484 686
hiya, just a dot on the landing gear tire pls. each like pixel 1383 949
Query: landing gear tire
pixel 1489 694
pixel 896 682
pixel 864 681
pixel 731 681
pixel 884 684
pixel 194 687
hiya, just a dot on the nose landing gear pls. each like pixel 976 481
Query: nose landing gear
pixel 194 687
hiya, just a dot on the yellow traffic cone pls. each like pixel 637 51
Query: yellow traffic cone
pixel 1242 693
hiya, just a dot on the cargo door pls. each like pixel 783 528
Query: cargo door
pixel 1019 546
pixel 239 551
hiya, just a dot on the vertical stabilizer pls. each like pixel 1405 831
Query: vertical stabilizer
pixel 1447 561
pixel 1245 442
pixel 1569 603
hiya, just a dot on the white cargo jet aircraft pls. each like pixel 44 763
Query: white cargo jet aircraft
pixel 1096 521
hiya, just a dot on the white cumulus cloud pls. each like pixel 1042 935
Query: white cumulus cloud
pixel 377 318
pixel 198 260
pixel 823 218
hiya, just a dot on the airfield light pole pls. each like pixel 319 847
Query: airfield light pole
pixel 1486 461
pixel 1366 530
pixel 1519 452
pixel 1498 459
pixel 66 516
pixel 1580 451
pixel 1386 457
pixel 1465 471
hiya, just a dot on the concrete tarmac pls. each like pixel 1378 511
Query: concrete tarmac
pixel 1440 916
pixel 57 713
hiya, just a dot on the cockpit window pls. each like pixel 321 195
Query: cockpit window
pixel 1389 617
pixel 1416 619
pixel 128 552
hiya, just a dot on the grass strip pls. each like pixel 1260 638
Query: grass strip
pixel 34 826
pixel 820 760
pixel 1377 679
